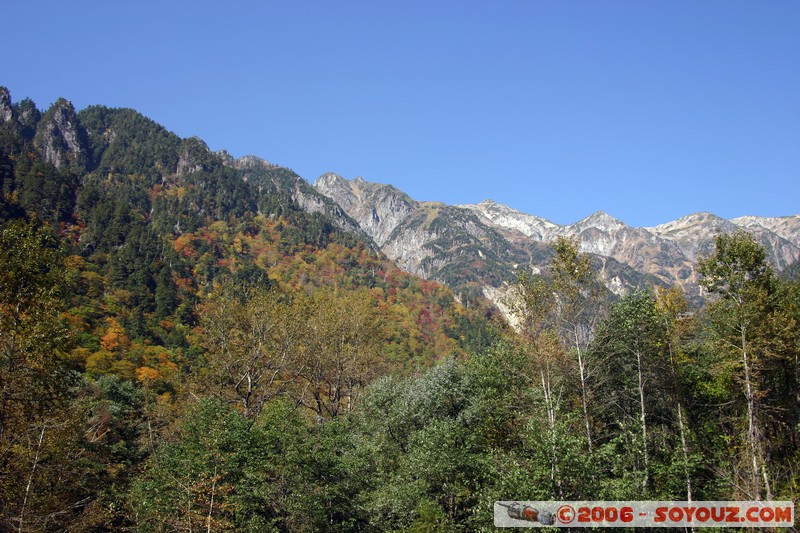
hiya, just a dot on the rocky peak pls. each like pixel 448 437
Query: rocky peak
pixel 787 227
pixel 226 158
pixel 195 156
pixel 6 110
pixel 482 243
pixel 338 189
pixel 251 162
pixel 378 208
pixel 537 228
pixel 599 220
pixel 246 162
pixel 689 221
pixel 59 137
pixel 332 181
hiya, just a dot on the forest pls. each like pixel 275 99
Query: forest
pixel 183 347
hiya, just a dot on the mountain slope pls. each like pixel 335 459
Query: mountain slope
pixel 155 223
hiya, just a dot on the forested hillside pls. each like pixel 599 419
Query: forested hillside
pixel 189 341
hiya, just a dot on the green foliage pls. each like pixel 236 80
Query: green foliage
pixel 122 141
pixel 224 474
pixel 36 376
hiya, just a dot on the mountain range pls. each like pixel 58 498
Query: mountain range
pixel 475 249
pixel 478 248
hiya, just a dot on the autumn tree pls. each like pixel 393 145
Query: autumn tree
pixel 578 298
pixel 257 345
pixel 679 325
pixel 344 340
pixel 563 305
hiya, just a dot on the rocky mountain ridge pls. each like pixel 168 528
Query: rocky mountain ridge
pixel 481 245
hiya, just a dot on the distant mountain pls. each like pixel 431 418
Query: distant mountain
pixel 477 247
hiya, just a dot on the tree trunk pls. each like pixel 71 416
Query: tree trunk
pixel 584 400
pixel 643 415
pixel 753 434
pixel 30 480
pixel 685 451
pixel 552 435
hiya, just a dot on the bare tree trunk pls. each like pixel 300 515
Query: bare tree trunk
pixel 751 429
pixel 211 505
pixel 753 434
pixel 643 415
pixel 30 480
pixel 681 425
pixel 582 372
pixel 685 451
pixel 555 478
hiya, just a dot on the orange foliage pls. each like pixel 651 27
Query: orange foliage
pixel 115 338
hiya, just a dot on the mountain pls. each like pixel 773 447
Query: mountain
pixel 155 223
pixel 476 248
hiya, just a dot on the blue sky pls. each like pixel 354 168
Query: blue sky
pixel 648 110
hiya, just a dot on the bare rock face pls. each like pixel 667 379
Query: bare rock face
pixel 378 208
pixel 246 162
pixel 6 110
pixel 436 241
pixel 785 227
pixel 59 137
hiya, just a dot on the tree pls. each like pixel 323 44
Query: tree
pixel 578 298
pixel 566 305
pixel 749 323
pixel 35 376
pixel 673 308
pixel 632 341
pixel 257 345
pixel 344 338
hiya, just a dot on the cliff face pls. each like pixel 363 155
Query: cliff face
pixel 6 110
pixel 59 137
pixel 477 247
pixel 377 208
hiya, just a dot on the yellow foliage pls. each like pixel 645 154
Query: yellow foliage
pixel 99 363
pixel 145 373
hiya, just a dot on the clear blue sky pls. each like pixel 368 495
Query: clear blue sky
pixel 648 110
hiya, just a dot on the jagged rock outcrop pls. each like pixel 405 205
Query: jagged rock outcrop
pixel 6 109
pixel 59 136
pixel 195 156
pixel 246 162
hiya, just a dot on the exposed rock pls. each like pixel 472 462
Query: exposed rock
pixel 786 227
pixel 505 217
pixel 378 208
pixel 195 156
pixel 246 162
pixel 6 109
pixel 59 137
